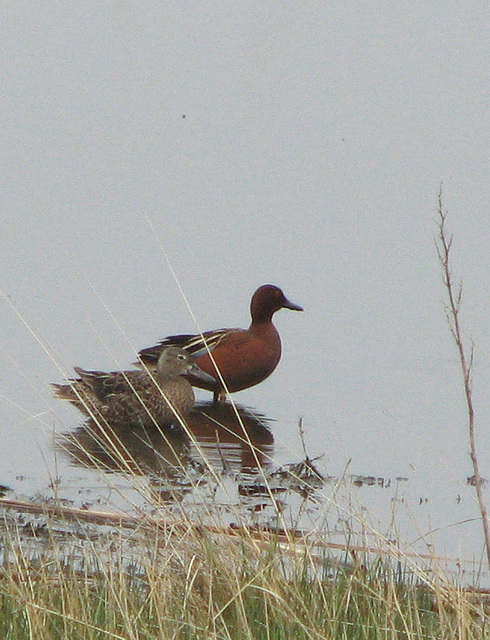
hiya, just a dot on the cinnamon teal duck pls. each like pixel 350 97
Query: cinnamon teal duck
pixel 235 358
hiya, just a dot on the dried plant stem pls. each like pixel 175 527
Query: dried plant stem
pixel 444 243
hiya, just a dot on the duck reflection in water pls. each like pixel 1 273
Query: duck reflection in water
pixel 232 435
pixel 218 437
pixel 138 450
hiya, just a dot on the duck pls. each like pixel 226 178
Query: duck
pixel 235 359
pixel 161 397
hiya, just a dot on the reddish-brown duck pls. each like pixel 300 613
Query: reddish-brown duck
pixel 235 358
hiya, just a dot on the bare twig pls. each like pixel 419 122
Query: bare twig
pixel 466 354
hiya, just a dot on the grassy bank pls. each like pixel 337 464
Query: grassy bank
pixel 87 581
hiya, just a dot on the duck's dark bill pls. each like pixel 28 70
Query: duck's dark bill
pixel 198 374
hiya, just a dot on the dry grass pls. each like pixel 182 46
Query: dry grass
pixel 161 579
pixel 465 349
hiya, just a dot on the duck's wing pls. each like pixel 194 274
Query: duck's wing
pixel 84 392
pixel 116 383
pixel 197 345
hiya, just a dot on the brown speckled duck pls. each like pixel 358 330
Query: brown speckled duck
pixel 143 398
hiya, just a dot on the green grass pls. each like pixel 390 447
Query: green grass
pixel 198 584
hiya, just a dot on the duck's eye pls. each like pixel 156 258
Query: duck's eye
pixel 181 356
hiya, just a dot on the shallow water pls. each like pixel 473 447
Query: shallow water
pixel 233 470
